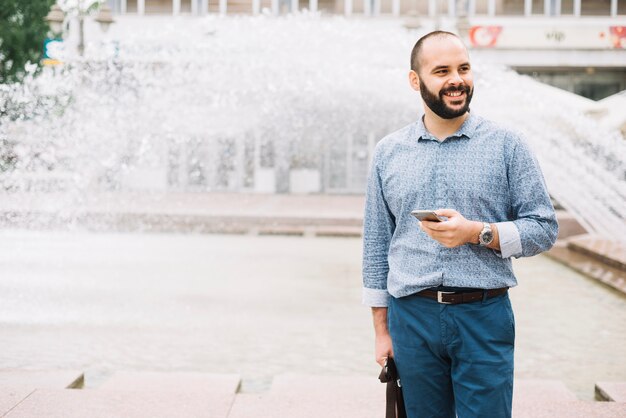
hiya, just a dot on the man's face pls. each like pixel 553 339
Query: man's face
pixel 445 79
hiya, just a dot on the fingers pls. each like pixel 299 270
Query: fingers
pixel 382 360
pixel 447 212
pixel 434 226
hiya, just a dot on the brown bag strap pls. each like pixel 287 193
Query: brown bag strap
pixel 395 400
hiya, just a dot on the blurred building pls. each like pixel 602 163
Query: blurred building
pixel 380 7
pixel 575 45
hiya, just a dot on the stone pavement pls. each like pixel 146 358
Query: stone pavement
pixel 263 214
pixel 28 394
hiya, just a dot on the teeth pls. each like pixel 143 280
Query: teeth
pixel 454 93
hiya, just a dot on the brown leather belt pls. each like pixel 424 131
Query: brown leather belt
pixel 454 298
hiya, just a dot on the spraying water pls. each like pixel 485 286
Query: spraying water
pixel 263 104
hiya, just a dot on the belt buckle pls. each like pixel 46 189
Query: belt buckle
pixel 440 297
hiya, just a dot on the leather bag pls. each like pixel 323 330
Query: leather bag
pixel 395 401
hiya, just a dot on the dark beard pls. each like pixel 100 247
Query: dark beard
pixel 439 107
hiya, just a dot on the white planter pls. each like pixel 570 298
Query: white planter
pixel 154 179
pixel 265 180
pixel 305 181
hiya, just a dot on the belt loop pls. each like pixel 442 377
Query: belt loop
pixel 484 295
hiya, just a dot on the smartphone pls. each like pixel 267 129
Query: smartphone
pixel 428 215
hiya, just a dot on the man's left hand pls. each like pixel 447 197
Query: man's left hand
pixel 455 231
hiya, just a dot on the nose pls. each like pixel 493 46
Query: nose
pixel 455 78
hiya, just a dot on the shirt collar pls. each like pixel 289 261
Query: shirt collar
pixel 465 130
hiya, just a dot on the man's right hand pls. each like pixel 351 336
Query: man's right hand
pixel 383 348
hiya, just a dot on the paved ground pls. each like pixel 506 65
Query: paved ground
pixel 257 306
pixel 188 395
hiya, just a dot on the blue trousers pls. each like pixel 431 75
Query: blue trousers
pixel 454 360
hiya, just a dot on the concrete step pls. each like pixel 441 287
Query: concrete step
pixel 568 409
pixel 300 384
pixel 153 394
pixel 17 385
pixel 535 390
pixel 11 397
pixel 41 379
pixel 611 391
pixel 95 403
pixel 227 213
pixel 610 252
pixel 306 396
pixel 173 382
pixel 589 266
pixel 343 404
pixel 541 391
pixel 568 225
pixel 336 405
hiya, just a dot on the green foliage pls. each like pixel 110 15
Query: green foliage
pixel 22 32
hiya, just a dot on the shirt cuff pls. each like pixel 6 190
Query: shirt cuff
pixel 510 241
pixel 375 298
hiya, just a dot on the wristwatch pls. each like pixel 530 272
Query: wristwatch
pixel 486 235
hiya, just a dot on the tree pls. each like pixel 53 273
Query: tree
pixel 22 33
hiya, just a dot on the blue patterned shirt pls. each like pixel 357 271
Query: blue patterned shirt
pixel 483 171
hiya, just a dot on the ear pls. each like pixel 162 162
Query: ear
pixel 414 80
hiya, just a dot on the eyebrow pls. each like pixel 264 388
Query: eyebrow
pixel 439 67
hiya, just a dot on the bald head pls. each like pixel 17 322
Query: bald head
pixel 417 52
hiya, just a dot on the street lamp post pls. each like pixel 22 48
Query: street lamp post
pixel 104 18
pixel 55 19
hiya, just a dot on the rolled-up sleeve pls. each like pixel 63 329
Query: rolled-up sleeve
pixel 378 227
pixel 510 240
pixel 532 210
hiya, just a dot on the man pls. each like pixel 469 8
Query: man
pixel 438 290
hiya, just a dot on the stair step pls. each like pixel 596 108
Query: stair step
pixel 536 390
pixel 307 396
pixel 611 252
pixel 174 382
pixel 95 403
pixel 568 225
pixel 41 379
pixel 338 405
pixel 339 231
pixel 568 409
pixel 311 385
pixel 296 406
pixel 611 391
pixel 589 266
pixel 10 397
pixel 541 390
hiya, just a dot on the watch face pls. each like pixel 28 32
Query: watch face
pixel 487 237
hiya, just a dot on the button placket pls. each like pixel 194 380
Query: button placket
pixel 439 195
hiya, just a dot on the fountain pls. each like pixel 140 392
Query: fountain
pixel 257 105
pixel 278 105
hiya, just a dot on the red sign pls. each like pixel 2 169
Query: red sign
pixel 484 36
pixel 618 36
